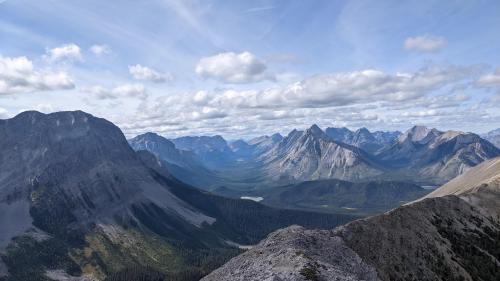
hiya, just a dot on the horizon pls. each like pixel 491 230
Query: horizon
pixel 241 69
pixel 262 134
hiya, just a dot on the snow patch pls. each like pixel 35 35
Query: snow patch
pixel 61 275
pixel 253 198
pixel 239 246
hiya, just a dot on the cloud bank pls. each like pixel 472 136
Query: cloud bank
pixel 18 75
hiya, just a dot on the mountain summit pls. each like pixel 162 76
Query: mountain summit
pixel 311 154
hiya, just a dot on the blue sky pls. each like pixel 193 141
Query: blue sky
pixel 245 68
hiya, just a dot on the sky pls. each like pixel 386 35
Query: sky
pixel 248 68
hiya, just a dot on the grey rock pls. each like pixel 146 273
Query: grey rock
pixel 423 153
pixel 311 154
pixel 293 254
pixel 452 234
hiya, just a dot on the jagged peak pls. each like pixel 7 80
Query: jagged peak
pixel 151 136
pixel 344 129
pixel 293 132
pixel 417 133
pixel 362 130
pixel 315 130
pixel 276 137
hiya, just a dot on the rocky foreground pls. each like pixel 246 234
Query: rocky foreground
pixel 453 234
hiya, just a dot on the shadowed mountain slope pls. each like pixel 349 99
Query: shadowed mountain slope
pixel 77 201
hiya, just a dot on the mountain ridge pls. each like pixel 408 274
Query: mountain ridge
pixel 80 202
pixel 442 237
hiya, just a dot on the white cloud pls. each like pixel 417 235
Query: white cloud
pixel 425 43
pixel 121 91
pixel 140 72
pixel 233 68
pixel 423 113
pixel 340 89
pixel 18 75
pixel 370 98
pixel 492 79
pixel 42 107
pixel 208 113
pixel 201 97
pixel 279 114
pixel 4 114
pixel 100 50
pixel 69 52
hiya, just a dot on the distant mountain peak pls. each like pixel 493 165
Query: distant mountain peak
pixel 363 130
pixel 416 133
pixel 316 131
pixel 276 137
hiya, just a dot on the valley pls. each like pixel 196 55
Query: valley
pixel 331 171
pixel 94 206
pixel 265 140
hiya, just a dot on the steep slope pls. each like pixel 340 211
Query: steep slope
pixel 182 164
pixel 483 177
pixel 265 143
pixel 76 200
pixel 442 237
pixel 311 154
pixel 165 149
pixel 214 151
pixel 493 137
pixel 434 155
pixel 339 196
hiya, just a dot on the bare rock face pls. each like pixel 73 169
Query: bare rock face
pixel 436 156
pixel 311 155
pixel 451 235
pixel 295 253
pixel 370 142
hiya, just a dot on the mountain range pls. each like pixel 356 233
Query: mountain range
pixel 435 155
pixel 179 162
pixel 363 138
pixel 420 155
pixel 78 203
pixel 451 234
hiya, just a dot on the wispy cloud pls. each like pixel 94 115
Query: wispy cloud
pixel 425 43
pixel 260 9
